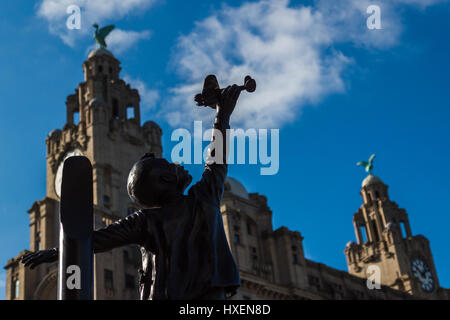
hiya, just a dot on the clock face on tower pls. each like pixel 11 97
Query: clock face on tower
pixel 58 176
pixel 421 271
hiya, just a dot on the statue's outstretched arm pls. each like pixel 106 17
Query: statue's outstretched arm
pixel 129 230
pixel 33 259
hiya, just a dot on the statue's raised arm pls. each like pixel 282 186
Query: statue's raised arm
pixel 224 102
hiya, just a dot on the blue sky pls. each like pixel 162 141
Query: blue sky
pixel 337 91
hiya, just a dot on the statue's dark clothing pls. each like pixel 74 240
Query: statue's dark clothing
pixel 185 252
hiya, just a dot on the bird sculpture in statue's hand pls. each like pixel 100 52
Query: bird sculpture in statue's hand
pixel 101 34
pixel 367 165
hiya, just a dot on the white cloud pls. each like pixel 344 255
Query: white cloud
pixel 2 280
pixel 281 47
pixel 93 11
pixel 345 20
pixel 422 3
pixel 121 40
pixel 291 51
pixel 149 97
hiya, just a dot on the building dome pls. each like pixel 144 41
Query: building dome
pixel 95 102
pixel 350 244
pixel 236 188
pixel 55 133
pixel 371 179
pixel 151 125
pixel 100 52
pixel 390 226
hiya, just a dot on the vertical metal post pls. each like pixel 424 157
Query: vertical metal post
pixel 76 228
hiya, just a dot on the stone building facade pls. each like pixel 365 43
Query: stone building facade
pixel 103 123
pixel 273 265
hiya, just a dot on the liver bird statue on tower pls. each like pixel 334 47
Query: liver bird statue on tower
pixel 101 34
pixel 367 165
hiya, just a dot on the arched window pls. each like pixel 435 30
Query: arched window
pixel 130 112
pixel 76 117
pixel 403 229
pixel 375 231
pixel 362 230
pixel 108 279
pixel 249 228
pixel 107 175
pixel 254 254
pixel 294 254
pixel 16 289
pixel 115 108
pixel 107 202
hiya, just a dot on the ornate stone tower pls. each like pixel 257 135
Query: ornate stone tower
pixel 103 124
pixel 385 240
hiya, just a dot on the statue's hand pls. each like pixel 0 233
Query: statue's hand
pixel 228 99
pixel 33 259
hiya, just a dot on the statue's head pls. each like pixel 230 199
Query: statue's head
pixel 152 180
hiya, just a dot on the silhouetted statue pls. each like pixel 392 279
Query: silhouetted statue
pixel 368 166
pixel 185 253
pixel 101 34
